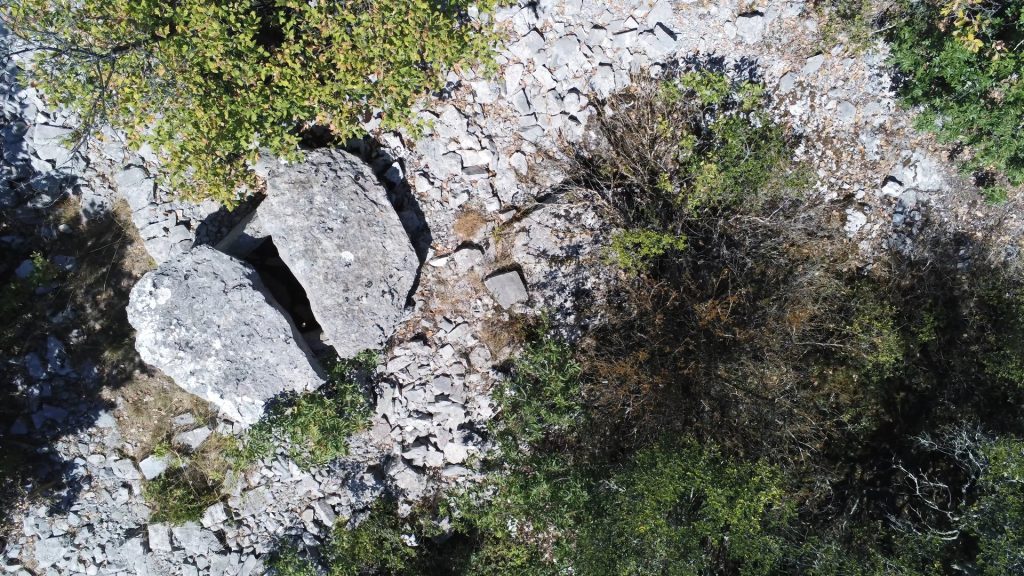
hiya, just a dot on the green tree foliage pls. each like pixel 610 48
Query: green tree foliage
pixel 683 510
pixel 962 61
pixel 207 84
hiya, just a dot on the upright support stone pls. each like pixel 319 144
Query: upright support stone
pixel 333 226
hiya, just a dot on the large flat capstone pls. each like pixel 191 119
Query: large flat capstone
pixel 334 228
pixel 206 320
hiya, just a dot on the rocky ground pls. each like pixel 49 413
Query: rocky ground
pixel 474 193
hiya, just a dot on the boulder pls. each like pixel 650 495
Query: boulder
pixel 334 228
pixel 206 321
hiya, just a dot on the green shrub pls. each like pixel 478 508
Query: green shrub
pixel 961 61
pixel 316 426
pixel 683 510
pixel 541 400
pixel 997 518
pixel 208 84
pixel 636 250
pixel 375 546
pixel 287 562
pixel 674 508
pixel 180 495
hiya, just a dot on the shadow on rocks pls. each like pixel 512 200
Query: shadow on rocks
pixel 64 337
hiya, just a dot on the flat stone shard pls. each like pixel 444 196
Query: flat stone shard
pixel 342 240
pixel 154 466
pixel 206 321
pixel 507 288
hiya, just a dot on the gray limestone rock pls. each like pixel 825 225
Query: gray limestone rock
pixel 135 186
pixel 159 538
pixel 51 143
pixel 812 65
pixel 153 466
pixel 49 551
pixel 125 469
pixel 192 439
pixel 787 82
pixel 335 229
pixel 750 27
pixel 507 288
pixel 214 515
pixel 846 112
pixel 206 320
pixel 196 540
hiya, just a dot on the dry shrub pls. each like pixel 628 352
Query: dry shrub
pixel 148 403
pixel 502 334
pixel 710 344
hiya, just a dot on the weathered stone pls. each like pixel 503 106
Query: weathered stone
pixel 324 512
pixel 855 220
pixel 507 288
pixel 846 112
pixel 192 439
pixel 455 453
pixel 812 65
pixel 207 322
pixel 153 466
pixel 787 82
pixel 196 540
pixel 51 143
pixel 750 27
pixel 125 469
pixel 214 515
pixel 49 551
pixel 159 538
pixel 24 270
pixel 333 226
pixel 181 420
pixel 136 186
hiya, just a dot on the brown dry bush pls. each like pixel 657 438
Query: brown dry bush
pixel 716 346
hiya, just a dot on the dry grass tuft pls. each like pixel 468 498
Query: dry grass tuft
pixel 468 225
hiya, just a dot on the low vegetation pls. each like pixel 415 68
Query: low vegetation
pixel 192 482
pixel 207 85
pixel 961 63
pixel 314 427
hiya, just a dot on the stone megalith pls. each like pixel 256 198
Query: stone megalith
pixel 334 228
pixel 206 320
